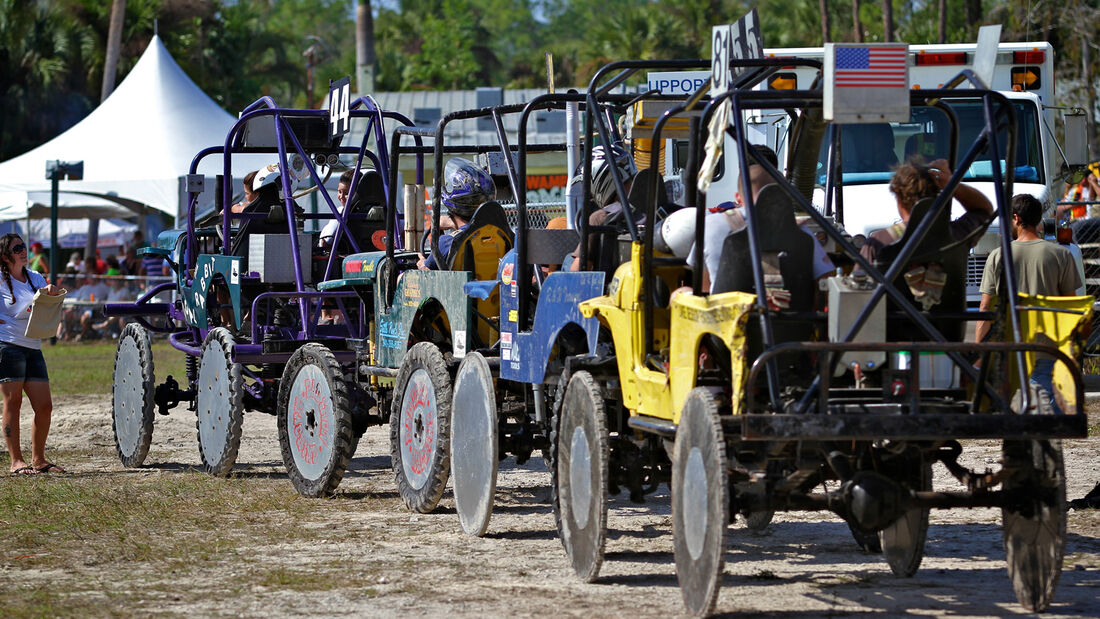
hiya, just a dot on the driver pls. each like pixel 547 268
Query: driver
pixel 606 197
pixel 729 218
pixel 466 186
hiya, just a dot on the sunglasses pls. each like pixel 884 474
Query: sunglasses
pixel 18 249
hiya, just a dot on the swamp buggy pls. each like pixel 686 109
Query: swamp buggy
pixel 758 401
pixel 245 308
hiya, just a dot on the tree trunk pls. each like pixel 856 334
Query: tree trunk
pixel 826 26
pixel 887 20
pixel 114 45
pixel 857 28
pixel 365 58
pixel 943 21
pixel 973 14
pixel 1087 78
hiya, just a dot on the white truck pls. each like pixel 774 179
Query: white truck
pixel 1024 73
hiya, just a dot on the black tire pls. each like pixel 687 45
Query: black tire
pixel 902 542
pixel 552 464
pixel 219 408
pixel 132 396
pixel 420 427
pixel 1034 525
pixel 314 420
pixel 583 453
pixel 700 502
pixel 758 521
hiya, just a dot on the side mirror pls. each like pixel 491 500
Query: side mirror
pixel 1077 146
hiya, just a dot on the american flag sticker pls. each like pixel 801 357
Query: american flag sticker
pixel 872 67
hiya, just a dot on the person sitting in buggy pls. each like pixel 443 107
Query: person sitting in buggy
pixel 609 214
pixel 935 273
pixel 914 181
pixel 728 218
pixel 468 193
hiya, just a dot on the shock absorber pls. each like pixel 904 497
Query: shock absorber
pixel 191 367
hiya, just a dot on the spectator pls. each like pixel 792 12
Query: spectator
pixel 76 263
pixel 1042 268
pixel 113 267
pixel 131 265
pixel 22 367
pixel 100 264
pixel 118 293
pixel 38 260
pixel 91 293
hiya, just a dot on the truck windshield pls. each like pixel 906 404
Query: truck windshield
pixel 871 152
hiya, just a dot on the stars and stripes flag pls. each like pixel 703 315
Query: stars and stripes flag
pixel 872 67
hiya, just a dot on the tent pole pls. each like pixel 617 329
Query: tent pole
pixel 55 252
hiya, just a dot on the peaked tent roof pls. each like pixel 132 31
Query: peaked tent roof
pixel 138 142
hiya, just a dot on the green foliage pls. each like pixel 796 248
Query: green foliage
pixel 51 52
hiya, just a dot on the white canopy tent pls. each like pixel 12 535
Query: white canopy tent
pixel 136 144
pixel 36 204
pixel 73 233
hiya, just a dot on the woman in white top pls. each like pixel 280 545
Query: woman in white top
pixel 22 367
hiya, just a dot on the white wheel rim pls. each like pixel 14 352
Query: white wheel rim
pixel 693 500
pixel 419 429
pixel 310 420
pixel 129 396
pixel 213 404
pixel 580 477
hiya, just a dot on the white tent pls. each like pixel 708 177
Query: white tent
pixel 137 143
pixel 73 234
pixel 36 204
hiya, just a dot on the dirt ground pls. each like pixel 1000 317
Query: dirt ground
pixel 397 563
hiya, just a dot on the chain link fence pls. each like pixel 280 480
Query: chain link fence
pixel 1086 234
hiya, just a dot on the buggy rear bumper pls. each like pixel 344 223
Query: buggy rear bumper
pixel 847 426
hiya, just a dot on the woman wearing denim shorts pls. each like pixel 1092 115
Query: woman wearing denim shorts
pixel 22 367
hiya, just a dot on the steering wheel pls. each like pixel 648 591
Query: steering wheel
pixel 426 244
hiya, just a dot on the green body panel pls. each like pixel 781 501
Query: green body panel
pixel 194 296
pixel 414 289
pixel 358 269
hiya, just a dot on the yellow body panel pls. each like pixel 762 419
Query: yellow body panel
pixel 661 391
pixel 1056 329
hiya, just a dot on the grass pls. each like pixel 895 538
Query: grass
pixel 143 533
pixel 88 368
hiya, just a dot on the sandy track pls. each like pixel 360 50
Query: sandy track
pixel 398 563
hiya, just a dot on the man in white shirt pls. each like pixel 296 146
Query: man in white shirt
pixel 730 218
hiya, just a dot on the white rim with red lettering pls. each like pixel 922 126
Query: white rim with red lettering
pixel 419 429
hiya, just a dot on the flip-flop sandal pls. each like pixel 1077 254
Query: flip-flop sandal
pixel 50 467
pixel 24 470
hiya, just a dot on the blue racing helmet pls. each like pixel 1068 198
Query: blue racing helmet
pixel 466 186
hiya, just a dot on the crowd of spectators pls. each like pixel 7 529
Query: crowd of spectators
pixel 94 281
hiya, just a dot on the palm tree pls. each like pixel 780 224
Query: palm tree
pixel 888 20
pixel 825 22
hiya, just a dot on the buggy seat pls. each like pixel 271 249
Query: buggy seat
pixel 942 258
pixel 787 254
pixel 478 249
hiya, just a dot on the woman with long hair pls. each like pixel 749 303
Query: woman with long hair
pixel 22 367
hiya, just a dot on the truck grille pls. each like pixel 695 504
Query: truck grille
pixel 975 266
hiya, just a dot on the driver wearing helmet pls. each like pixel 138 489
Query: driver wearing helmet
pixel 604 194
pixel 466 186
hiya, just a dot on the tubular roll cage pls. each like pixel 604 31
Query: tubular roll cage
pixel 364 107
pixel 999 115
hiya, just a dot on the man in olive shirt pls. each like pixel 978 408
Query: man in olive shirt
pixel 1042 268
